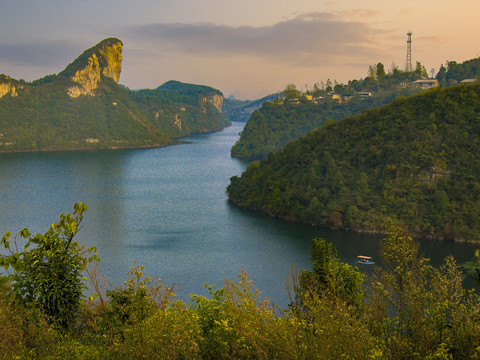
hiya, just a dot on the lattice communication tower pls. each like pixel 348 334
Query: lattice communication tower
pixel 408 66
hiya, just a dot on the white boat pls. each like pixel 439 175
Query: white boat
pixel 367 260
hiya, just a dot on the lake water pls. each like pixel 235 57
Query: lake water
pixel 166 209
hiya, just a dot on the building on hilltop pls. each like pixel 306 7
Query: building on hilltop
pixel 363 94
pixel 426 83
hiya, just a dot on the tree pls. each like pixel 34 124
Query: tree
pixel 362 188
pixel 339 89
pixel 291 92
pixel 47 274
pixel 328 85
pixel 394 69
pixel 371 72
pixel 418 309
pixel 328 277
pixel 317 90
pixel 380 72
pixel 420 70
pixel 442 76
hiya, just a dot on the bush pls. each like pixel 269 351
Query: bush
pixel 47 275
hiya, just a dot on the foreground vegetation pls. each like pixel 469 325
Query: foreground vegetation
pixel 408 310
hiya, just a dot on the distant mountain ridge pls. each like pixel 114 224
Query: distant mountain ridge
pixel 84 107
pixel 241 110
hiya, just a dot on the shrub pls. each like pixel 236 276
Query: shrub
pixel 47 274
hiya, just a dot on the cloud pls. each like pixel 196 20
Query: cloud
pixel 48 54
pixel 361 13
pixel 306 39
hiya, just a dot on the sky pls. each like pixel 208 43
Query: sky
pixel 247 48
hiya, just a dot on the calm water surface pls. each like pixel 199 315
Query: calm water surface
pixel 166 209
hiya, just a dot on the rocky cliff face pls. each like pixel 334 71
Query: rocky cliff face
pixel 112 56
pixel 8 86
pixel 216 101
pixel 206 95
pixel 103 60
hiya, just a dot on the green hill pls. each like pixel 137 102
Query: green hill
pixel 180 109
pixel 275 124
pixel 272 127
pixel 415 159
pixel 83 107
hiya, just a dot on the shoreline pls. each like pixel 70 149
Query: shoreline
pixel 415 236
pixel 84 148
pixel 173 141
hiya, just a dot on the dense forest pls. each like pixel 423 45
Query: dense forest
pixel 83 107
pixel 44 117
pixel 408 309
pixel 276 123
pixel 414 160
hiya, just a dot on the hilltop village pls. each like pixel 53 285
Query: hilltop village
pixel 377 82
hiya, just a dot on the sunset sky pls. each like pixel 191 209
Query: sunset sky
pixel 246 48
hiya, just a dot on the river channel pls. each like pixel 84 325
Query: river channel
pixel 166 209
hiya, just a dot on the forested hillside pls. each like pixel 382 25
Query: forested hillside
pixel 270 128
pixel 180 109
pixel 415 159
pixel 275 124
pixel 83 107
pixel 45 117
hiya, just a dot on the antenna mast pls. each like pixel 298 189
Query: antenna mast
pixel 408 66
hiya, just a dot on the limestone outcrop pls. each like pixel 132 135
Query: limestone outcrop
pixel 102 61
pixel 8 86
pixel 217 101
